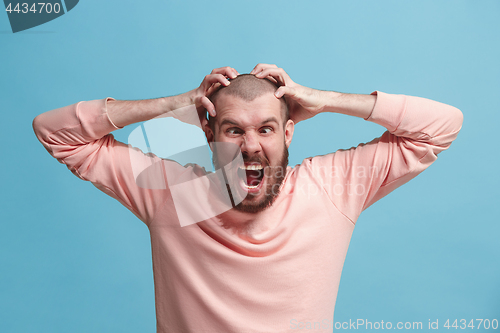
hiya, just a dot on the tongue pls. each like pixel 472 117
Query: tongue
pixel 253 177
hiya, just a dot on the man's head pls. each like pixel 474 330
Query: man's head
pixel 251 117
pixel 247 87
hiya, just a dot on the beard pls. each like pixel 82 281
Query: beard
pixel 273 178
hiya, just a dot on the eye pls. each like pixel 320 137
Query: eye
pixel 266 130
pixel 234 131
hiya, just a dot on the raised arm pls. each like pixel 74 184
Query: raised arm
pixel 123 113
pixel 305 102
pixel 78 136
pixel 418 129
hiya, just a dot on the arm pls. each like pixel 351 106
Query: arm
pixel 305 102
pixel 418 129
pixel 123 113
pixel 78 136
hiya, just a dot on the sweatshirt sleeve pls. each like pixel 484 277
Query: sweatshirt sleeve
pixel 418 129
pixel 78 136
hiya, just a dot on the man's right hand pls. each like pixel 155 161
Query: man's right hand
pixel 212 81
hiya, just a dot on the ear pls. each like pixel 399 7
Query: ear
pixel 209 134
pixel 289 127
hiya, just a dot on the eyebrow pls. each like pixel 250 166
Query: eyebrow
pixel 232 122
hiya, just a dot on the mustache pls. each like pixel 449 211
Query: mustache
pixel 255 159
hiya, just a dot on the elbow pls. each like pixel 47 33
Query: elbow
pixel 457 118
pixel 451 128
pixel 41 132
pixel 450 123
pixel 37 127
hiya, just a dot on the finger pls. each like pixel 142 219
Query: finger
pixel 207 104
pixel 227 71
pixel 212 88
pixel 219 78
pixel 285 90
pixel 277 73
pixel 261 67
pixel 212 79
pixel 235 73
pixel 272 79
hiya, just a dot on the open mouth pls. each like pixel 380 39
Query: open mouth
pixel 251 176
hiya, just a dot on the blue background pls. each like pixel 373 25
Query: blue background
pixel 74 260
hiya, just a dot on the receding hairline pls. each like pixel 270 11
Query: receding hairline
pixel 248 87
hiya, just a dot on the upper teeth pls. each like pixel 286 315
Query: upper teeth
pixel 252 167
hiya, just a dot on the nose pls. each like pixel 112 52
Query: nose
pixel 250 144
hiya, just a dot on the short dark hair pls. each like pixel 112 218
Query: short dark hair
pixel 248 87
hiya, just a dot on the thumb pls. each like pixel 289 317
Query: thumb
pixel 207 104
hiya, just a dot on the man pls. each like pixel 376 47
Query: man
pixel 270 260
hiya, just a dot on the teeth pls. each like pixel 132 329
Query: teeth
pixel 250 187
pixel 251 167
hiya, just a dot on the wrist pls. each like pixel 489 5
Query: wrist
pixel 176 102
pixel 332 101
pixel 350 104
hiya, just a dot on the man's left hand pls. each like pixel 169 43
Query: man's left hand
pixel 303 102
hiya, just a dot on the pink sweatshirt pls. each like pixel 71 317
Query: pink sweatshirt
pixel 284 275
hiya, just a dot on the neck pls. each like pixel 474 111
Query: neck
pixel 240 222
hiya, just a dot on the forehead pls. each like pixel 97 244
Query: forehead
pixel 236 109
